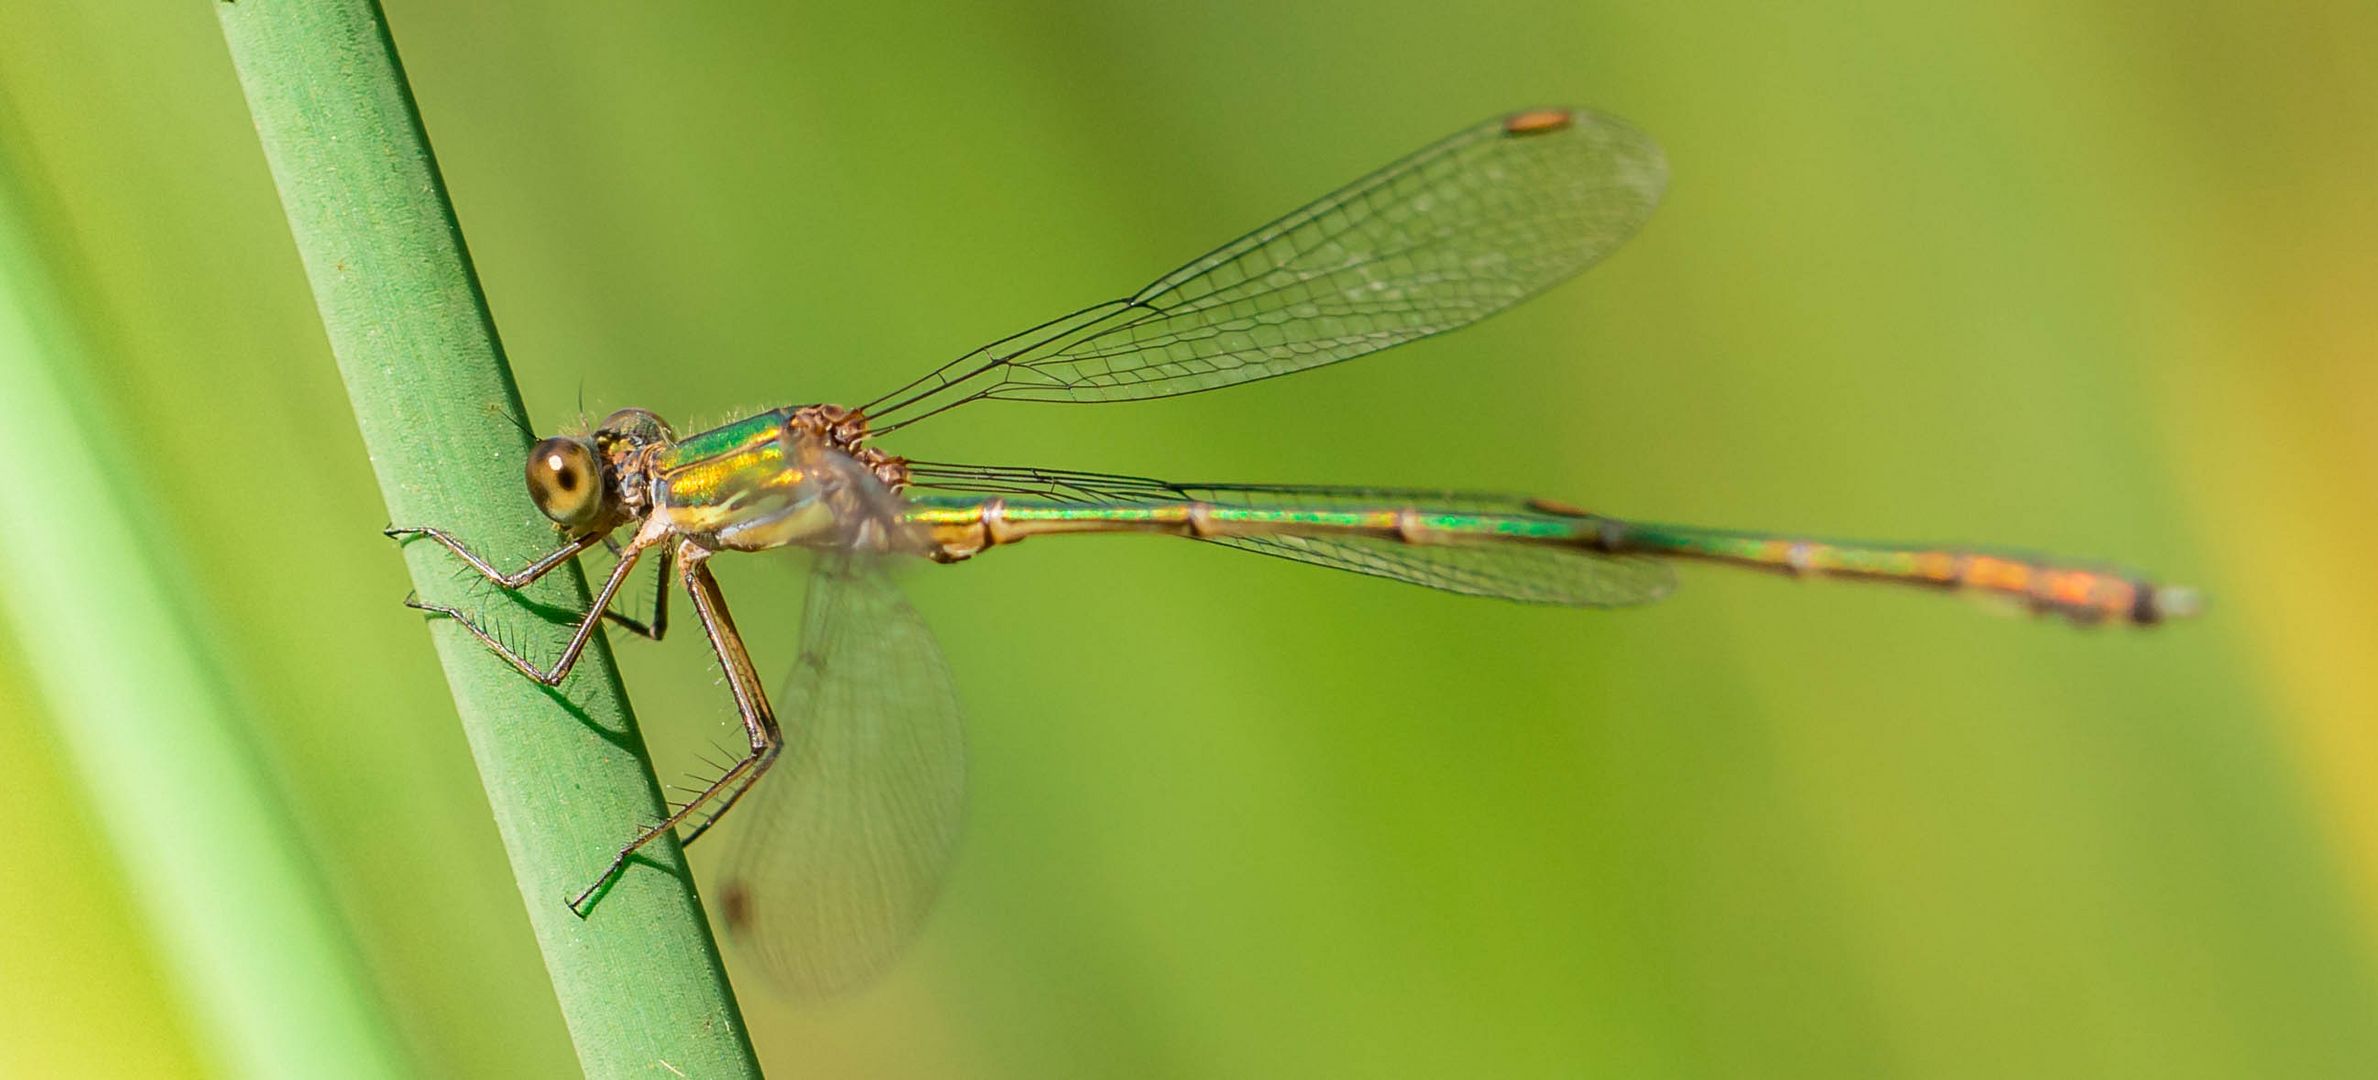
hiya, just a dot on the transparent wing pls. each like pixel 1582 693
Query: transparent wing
pixel 1572 576
pixel 839 864
pixel 1532 575
pixel 1447 236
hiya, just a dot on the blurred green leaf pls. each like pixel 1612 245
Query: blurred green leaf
pixel 121 661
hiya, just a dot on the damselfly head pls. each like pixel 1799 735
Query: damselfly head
pixel 593 482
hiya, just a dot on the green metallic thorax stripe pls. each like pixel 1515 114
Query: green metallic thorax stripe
pixel 725 439
pixel 713 466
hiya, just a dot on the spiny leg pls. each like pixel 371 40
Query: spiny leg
pixel 725 803
pixel 578 639
pixel 530 573
pixel 751 699
pixel 751 704
pixel 545 565
pixel 659 627
pixel 717 760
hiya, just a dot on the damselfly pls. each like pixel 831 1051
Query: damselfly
pixel 850 845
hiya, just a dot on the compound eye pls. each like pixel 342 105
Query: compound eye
pixel 565 481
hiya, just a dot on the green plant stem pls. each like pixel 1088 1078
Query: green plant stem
pixel 254 947
pixel 639 980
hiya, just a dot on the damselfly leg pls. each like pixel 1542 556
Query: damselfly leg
pixel 657 629
pixel 751 702
pixel 586 623
pixel 751 705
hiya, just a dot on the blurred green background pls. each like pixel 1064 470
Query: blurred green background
pixel 2093 277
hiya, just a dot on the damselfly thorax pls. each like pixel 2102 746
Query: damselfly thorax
pixel 796 477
